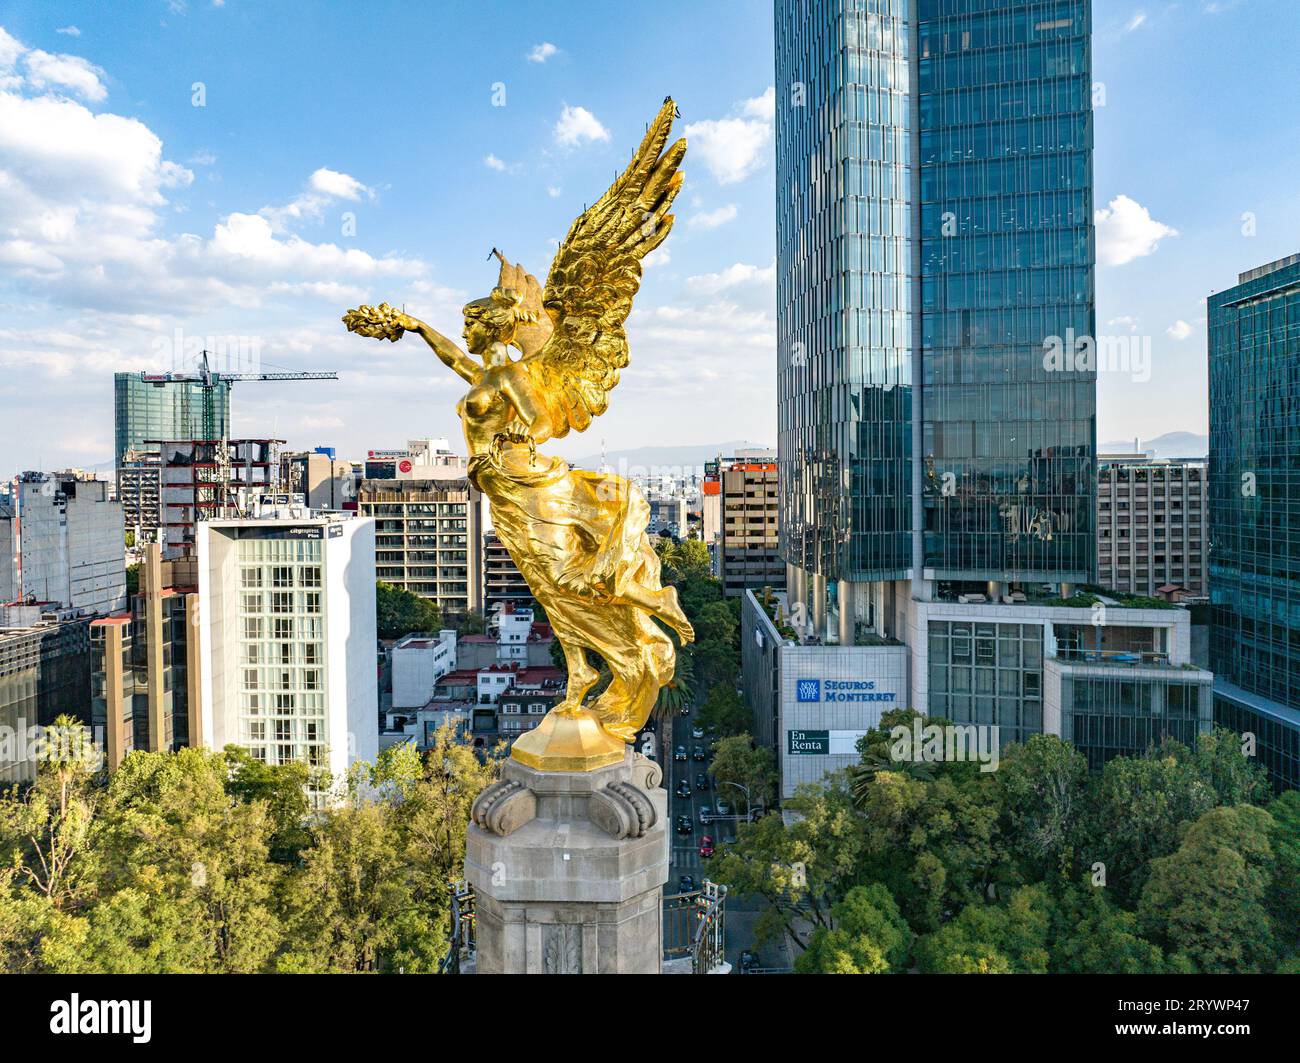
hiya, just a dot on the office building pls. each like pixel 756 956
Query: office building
pixel 1254 362
pixel 61 543
pixel 1152 521
pixel 429 536
pixel 45 666
pixel 146 693
pixel 936 395
pixel 1114 680
pixel 928 256
pixel 154 407
pixel 287 643
pixel 324 481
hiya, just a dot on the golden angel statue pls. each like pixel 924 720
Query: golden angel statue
pixel 578 537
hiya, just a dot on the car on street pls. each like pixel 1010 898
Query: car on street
pixel 683 788
pixel 705 812
pixel 702 783
pixel 700 753
pixel 685 710
pixel 697 731
pixel 748 960
pixel 729 839
pixel 706 846
pixel 684 825
pixel 724 809
pixel 686 884
pixel 679 753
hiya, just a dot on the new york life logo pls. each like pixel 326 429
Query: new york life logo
pixel 808 690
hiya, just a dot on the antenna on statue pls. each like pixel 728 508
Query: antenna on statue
pixel 494 251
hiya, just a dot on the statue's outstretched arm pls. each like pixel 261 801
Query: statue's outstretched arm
pixel 448 353
pixel 384 322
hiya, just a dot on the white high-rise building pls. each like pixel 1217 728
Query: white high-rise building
pixel 287 638
pixel 61 542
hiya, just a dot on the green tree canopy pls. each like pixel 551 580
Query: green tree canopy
pixel 399 612
pixel 870 936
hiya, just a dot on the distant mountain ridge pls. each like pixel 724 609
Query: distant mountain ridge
pixel 1169 445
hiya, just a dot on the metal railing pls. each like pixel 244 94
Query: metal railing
pixel 693 926
pixel 461 941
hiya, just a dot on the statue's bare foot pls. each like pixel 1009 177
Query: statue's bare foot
pixel 670 612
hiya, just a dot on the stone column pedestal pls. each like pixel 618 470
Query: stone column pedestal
pixel 568 870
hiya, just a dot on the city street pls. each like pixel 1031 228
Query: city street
pixel 740 913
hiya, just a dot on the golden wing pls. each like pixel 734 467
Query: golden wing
pixel 594 277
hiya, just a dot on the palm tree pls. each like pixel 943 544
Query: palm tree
pixel 679 691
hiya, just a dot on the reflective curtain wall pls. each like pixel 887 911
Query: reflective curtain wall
pixel 934 201
pixel 843 285
pixel 1008 436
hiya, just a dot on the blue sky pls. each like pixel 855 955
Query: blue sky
pixel 353 152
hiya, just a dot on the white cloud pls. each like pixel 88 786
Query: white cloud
pixel 1126 230
pixel 735 147
pixel 1133 23
pixel 577 124
pixel 493 163
pixel 1124 321
pixel 324 186
pixel 738 275
pixel 1179 330
pixel 69 31
pixel 46 70
pixel 542 52
pixel 338 185
pixel 554 191
pixel 711 219
pixel 10 49
pixel 763 106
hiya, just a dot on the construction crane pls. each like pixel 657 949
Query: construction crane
pixel 206 378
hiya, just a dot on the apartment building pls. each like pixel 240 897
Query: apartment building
pixel 145 690
pixel 287 642
pixel 429 538
pixel 503 583
pixel 1152 525
pixel 747 547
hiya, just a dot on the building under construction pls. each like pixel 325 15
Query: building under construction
pixel 209 479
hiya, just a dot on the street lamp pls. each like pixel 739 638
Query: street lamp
pixel 745 791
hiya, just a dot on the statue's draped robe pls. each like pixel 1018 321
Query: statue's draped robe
pixel 579 539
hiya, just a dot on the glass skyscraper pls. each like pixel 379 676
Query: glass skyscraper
pixel 1254 359
pixel 934 235
pixel 145 410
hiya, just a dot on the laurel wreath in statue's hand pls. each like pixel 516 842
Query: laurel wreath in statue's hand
pixel 382 322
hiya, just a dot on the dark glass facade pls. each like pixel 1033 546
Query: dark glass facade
pixel 44 674
pixel 934 231
pixel 844 116
pixel 145 411
pixel 1006 246
pixel 1254 360
pixel 1125 715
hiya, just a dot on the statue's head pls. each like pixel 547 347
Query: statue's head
pixel 491 324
